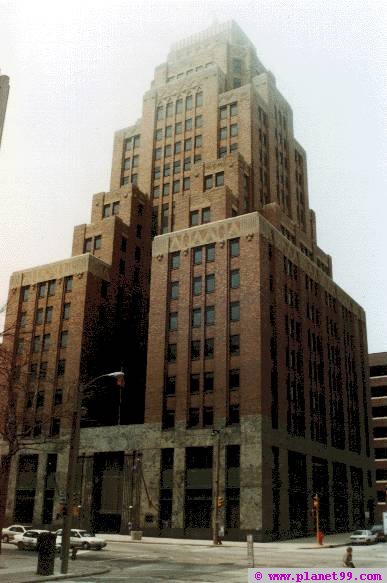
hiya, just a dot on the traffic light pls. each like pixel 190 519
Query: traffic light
pixel 316 502
pixel 220 502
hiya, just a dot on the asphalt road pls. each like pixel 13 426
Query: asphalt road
pixel 150 563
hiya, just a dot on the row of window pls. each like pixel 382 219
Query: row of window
pixel 206 381
pixel 132 142
pixel 211 180
pixel 47 288
pixel 196 348
pixel 209 253
pixel 178 106
pixel 131 162
pixel 176 168
pixel 193 420
pixel 176 187
pixel 197 284
pixel 188 72
pixel 188 126
pixel 222 152
pixel 223 132
pixel 44 342
pixel 228 110
pixel 209 316
pixel 179 147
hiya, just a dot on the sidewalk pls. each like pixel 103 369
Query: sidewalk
pixel 330 541
pixel 21 568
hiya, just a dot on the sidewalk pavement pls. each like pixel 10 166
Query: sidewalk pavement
pixel 330 541
pixel 21 568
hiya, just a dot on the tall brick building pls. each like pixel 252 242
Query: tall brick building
pixel 248 334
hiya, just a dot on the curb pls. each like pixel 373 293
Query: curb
pixel 65 576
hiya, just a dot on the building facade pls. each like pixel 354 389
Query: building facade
pixel 4 92
pixel 256 367
pixel 378 382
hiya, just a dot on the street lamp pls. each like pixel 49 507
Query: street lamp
pixel 215 519
pixel 72 464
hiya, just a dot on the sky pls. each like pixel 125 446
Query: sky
pixel 78 71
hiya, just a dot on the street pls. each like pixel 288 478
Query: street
pixel 150 561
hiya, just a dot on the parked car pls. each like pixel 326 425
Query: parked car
pixel 9 533
pixel 29 540
pixel 83 539
pixel 363 537
pixel 379 531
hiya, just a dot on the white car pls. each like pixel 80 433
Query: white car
pixel 29 540
pixel 363 537
pixel 10 532
pixel 83 539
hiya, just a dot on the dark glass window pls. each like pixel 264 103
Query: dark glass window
pixel 46 341
pixel 234 379
pixel 234 130
pixel 199 121
pixel 63 338
pixel 210 283
pixel 234 109
pixel 187 164
pixel 234 311
pixel 106 211
pixel 167 169
pixel 49 311
pixel 208 416
pixel 193 218
pixel 197 286
pixel 177 148
pixel 223 112
pixel 195 349
pixel 174 290
pixel 193 417
pixel 206 215
pixel 210 315
pixel 43 370
pixel 234 278
pixel 97 242
pixel 208 382
pixel 234 247
pixel 176 167
pixel 188 124
pixel 210 252
pixel 51 287
pixel 223 133
pixel 186 183
pixel 170 386
pixel 42 290
pixel 39 316
pixel 234 344
pixel 25 293
pixel 194 385
pixel 169 419
pixel 209 348
pixel 222 152
pixel 172 352
pixel 61 367
pixel 175 260
pixel 88 245
pixel 197 255
pixel 116 207
pixel 219 179
pixel 188 102
pixel 168 132
pixel 208 182
pixel 196 317
pixel 23 319
pixel 173 321
pixel 233 415
pixel 178 127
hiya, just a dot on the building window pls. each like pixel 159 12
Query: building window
pixel 25 293
pixel 199 121
pixel 219 179
pixel 178 128
pixel 175 260
pixel 222 152
pixel 61 367
pixel 188 102
pixel 233 415
pixel 210 315
pixel 210 283
pixel 176 186
pixel 208 182
pixel 156 173
pixel 172 352
pixel 209 348
pixel 158 152
pixel 127 144
pixel 42 290
pixel 170 386
pixel 198 141
pixel 187 164
pixel 138 231
pixel 206 215
pixel 188 124
pixel 167 170
pixel 168 132
pixel 193 218
pixel 188 145
pixel 196 317
pixel 20 345
pixel 137 254
pixel 169 110
pixel 35 344
pixel 233 130
pixel 234 109
pixel 88 245
pixel 39 316
pixel 51 287
pixel 208 381
pixel 176 167
pixel 106 211
pixel 234 279
pixel 174 290
pixel 208 416
pixel 63 338
pixel 43 370
pixel 156 192
pixel 136 141
pixel 179 106
pixel 186 183
pixel 210 253
pixel 194 385
pixel 233 147
pixel 127 163
pixel 97 242
pixel 197 255
pixel 234 344
pixel 165 218
pixel 46 341
pixel 169 419
pixel 234 247
pixel 197 286
pixel 23 319
pixel 237 82
pixel 166 189
pixel 233 379
pixel 195 349
pixel 159 135
pixel 223 133
pixel 66 311
pixel 177 147
pixel 159 113
pixel 49 311
pixel 68 284
pixel 234 312
pixel 199 99
pixel 55 427
pixel 193 417
pixel 168 151
pixel 223 112
pixel 173 321
pixel 125 180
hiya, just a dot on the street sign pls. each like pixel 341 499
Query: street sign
pixel 250 550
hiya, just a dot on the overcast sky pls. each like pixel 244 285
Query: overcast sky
pixel 78 71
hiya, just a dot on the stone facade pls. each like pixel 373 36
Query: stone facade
pixel 256 360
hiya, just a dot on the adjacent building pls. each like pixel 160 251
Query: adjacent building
pixel 257 368
pixel 4 91
pixel 378 382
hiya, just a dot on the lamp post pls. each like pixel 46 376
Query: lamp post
pixel 215 516
pixel 72 466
